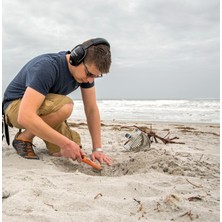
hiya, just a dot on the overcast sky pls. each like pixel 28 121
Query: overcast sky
pixel 161 49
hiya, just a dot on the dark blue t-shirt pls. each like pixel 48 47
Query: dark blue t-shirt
pixel 46 73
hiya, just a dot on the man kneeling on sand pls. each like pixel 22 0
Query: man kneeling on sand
pixel 36 100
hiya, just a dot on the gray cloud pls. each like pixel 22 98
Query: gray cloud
pixel 160 49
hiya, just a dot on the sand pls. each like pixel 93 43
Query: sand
pixel 166 182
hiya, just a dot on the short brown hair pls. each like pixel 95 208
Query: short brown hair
pixel 100 56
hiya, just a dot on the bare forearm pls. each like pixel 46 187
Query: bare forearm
pixel 93 120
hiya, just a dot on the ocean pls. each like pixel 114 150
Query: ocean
pixel 190 111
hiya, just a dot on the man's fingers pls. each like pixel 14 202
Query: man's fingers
pixel 102 158
pixel 93 158
pixel 82 153
pixel 108 161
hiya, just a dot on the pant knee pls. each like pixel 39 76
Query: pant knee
pixel 67 109
pixel 54 103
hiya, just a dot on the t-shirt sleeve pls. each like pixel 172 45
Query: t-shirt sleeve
pixel 87 85
pixel 41 77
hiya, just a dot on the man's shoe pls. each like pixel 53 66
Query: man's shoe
pixel 24 148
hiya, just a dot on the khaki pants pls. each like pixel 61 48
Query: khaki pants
pixel 52 103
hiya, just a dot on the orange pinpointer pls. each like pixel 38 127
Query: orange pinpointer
pixel 91 163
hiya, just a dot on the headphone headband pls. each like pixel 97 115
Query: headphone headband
pixel 78 54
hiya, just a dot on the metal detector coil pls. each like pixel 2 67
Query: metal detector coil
pixel 137 141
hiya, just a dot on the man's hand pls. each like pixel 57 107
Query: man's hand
pixel 101 157
pixel 71 150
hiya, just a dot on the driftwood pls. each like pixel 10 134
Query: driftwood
pixel 153 136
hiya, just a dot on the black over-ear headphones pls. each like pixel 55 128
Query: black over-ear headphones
pixel 78 54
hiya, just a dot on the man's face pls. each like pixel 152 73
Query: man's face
pixel 87 73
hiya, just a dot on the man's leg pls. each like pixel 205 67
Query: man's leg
pixel 52 119
pixel 54 111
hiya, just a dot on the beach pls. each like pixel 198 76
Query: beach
pixel 165 182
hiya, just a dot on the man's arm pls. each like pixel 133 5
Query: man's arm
pixel 28 118
pixel 92 115
pixel 93 121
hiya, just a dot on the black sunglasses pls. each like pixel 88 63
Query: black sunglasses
pixel 89 74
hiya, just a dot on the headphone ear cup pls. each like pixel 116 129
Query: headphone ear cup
pixel 77 55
